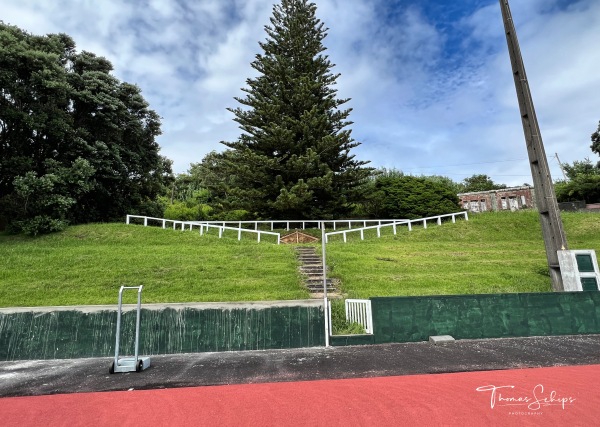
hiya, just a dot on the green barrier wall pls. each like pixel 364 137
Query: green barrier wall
pixel 406 319
pixel 84 333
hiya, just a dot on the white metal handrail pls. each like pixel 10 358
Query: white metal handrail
pixel 202 225
pixel 395 223
pixel 334 223
pixel 359 311
pixel 239 230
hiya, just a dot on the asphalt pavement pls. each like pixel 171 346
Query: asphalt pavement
pixel 41 377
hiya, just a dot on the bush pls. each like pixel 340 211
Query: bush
pixel 339 325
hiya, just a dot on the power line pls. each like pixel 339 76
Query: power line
pixel 463 164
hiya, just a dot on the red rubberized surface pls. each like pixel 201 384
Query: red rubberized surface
pixel 422 400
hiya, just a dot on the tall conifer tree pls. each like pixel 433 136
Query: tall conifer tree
pixel 293 158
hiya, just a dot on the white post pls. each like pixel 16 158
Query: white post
pixel 258 234
pixel 127 219
pixel 379 230
pixel 344 234
pixel 325 303
pixel 424 223
pixel 220 232
pixel 182 226
pixel 453 219
pixel 240 234
pixel 439 220
pixel 271 225
pixel 255 225
pixel 466 216
pixel 145 221
pixel 409 225
pixel 362 234
pixel 364 223
pixel 303 227
pixel 334 225
pixel 394 227
pixel 201 229
pixel 350 225
pixel 287 225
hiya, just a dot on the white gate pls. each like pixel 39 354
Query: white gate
pixel 359 311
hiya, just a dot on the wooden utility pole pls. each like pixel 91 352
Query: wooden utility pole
pixel 552 228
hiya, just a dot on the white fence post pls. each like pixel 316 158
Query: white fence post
pixel 127 219
pixel 424 223
pixel 145 221
pixel 220 232
pixel 439 220
pixel 409 225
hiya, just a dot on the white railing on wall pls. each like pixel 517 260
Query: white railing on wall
pixel 202 226
pixel 394 224
pixel 359 311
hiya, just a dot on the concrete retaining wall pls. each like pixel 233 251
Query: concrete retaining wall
pixel 73 332
pixel 406 319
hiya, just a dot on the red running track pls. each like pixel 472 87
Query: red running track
pixel 557 396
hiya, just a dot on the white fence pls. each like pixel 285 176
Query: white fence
pixel 359 311
pixel 299 223
pixel 203 226
pixel 225 225
pixel 396 223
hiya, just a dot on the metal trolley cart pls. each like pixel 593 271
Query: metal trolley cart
pixel 129 364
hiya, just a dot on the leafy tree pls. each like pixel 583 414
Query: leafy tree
pixel 293 158
pixel 583 183
pixel 410 197
pixel 480 182
pixel 596 143
pixel 76 145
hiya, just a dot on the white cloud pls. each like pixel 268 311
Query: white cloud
pixel 415 104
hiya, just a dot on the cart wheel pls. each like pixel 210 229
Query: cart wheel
pixel 139 366
pixel 111 369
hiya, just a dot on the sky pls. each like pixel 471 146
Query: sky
pixel 429 80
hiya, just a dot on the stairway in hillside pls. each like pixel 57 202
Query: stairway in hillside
pixel 311 267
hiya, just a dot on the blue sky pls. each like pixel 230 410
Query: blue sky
pixel 430 80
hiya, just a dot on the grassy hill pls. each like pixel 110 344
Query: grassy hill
pixel 493 252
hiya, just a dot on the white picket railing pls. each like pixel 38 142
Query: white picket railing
pixel 203 226
pixel 396 223
pixel 359 311
pixel 223 225
pixel 286 223
pixel 222 228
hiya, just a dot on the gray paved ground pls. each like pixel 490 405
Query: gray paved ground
pixel 23 378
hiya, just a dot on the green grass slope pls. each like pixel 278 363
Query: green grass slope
pixel 87 264
pixel 491 253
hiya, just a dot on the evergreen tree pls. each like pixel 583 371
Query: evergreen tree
pixel 293 158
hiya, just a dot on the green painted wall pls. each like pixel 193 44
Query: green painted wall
pixel 74 333
pixel 406 319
